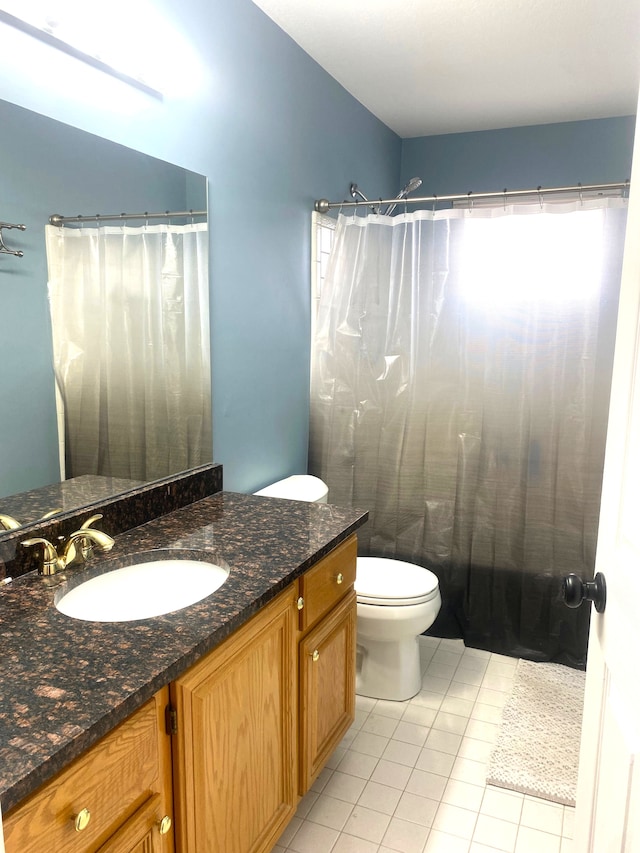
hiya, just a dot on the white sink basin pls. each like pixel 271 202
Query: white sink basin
pixel 143 590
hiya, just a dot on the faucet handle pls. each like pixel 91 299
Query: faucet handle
pixel 83 543
pixel 95 537
pixel 51 513
pixel 7 522
pixel 51 559
pixel 83 540
pixel 89 521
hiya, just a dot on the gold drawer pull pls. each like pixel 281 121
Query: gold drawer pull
pixel 339 578
pixel 315 655
pixel 81 820
pixel 164 825
pixel 300 603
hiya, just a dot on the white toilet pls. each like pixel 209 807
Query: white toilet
pixel 396 602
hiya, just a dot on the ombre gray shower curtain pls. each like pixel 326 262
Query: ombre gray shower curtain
pixel 130 323
pixel 460 379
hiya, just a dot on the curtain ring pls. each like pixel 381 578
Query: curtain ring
pixel 341 206
pixel 435 201
pixel 405 206
pixel 379 206
pixel 504 200
pixel 540 198
pixel 580 194
pixel 470 200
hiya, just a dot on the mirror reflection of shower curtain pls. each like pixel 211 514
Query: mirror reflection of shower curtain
pixel 130 322
pixel 459 392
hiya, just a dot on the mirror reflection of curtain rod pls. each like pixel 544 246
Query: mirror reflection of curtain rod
pixel 58 220
pixel 323 205
pixel 4 249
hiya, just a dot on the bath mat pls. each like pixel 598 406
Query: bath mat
pixel 539 741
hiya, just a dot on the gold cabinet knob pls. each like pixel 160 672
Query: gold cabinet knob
pixel 315 655
pixel 164 825
pixel 81 820
pixel 300 603
pixel 339 578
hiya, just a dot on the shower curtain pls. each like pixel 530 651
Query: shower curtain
pixel 130 323
pixel 460 375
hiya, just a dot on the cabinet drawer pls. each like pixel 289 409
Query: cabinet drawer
pixel 111 780
pixel 327 582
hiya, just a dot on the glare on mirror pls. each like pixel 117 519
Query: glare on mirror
pixel 104 332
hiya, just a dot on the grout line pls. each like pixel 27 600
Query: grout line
pixel 489 667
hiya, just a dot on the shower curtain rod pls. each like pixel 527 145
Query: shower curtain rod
pixel 323 205
pixel 58 220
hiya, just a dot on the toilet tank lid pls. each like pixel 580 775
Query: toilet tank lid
pixel 381 577
pixel 299 487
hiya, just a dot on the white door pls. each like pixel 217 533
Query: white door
pixel 608 801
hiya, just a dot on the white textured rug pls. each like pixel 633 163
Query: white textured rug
pixel 539 742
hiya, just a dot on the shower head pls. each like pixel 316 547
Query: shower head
pixel 355 193
pixel 409 187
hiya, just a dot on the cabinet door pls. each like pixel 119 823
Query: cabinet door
pixel 235 750
pixel 327 688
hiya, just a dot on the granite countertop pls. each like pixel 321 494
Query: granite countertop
pixel 66 683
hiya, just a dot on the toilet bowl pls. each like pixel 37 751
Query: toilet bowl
pixel 396 602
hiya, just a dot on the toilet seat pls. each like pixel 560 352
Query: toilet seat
pixel 392 583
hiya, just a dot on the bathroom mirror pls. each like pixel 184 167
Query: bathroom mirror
pixel 47 167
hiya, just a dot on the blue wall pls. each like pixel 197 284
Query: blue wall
pixel 567 153
pixel 272 132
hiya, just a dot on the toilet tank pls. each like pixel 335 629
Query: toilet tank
pixel 299 487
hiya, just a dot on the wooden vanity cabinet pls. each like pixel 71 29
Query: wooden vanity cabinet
pixel 253 723
pixel 258 716
pixel 122 784
pixel 235 781
pixel 327 654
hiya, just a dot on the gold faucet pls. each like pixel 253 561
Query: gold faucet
pixel 7 522
pixel 78 546
pixel 85 538
pixel 52 562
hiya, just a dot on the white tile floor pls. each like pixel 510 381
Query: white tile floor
pixel 410 776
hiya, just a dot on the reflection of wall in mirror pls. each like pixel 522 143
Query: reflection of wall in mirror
pixel 49 167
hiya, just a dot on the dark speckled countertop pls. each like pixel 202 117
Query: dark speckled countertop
pixel 65 682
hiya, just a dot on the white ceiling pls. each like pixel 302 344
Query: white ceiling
pixel 444 66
